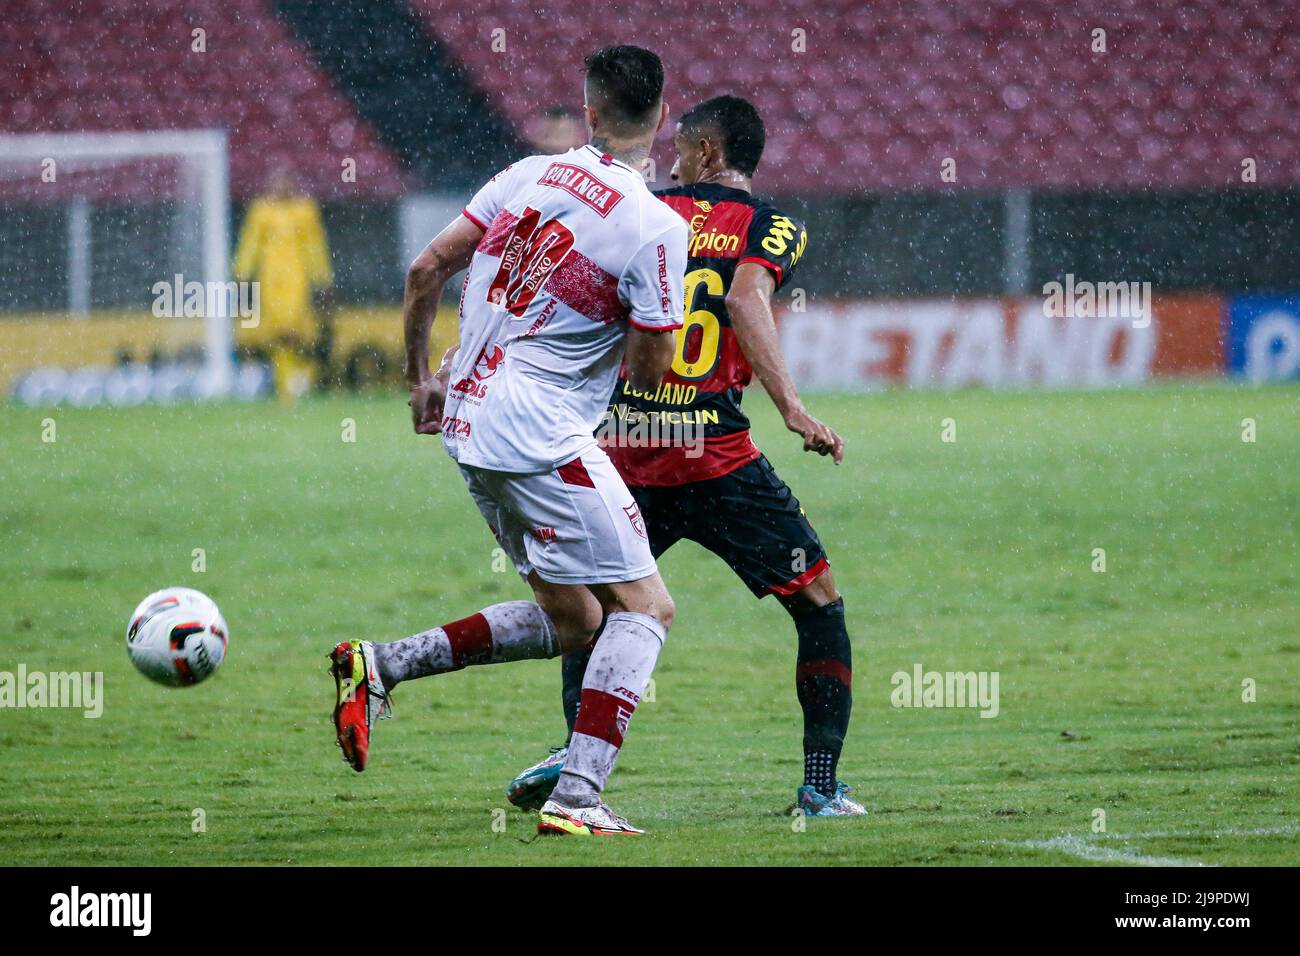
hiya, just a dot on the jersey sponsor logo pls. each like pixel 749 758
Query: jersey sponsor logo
pixel 530 255
pixel 634 518
pixel 512 251
pixel 470 389
pixel 630 695
pixel 657 418
pixel 460 309
pixel 697 219
pixel 474 385
pixel 665 298
pixel 582 186
pixel 539 323
pixel 575 281
pixel 544 535
pixel 723 239
pixel 487 363
pixel 716 243
pixel 457 428
pixel 779 236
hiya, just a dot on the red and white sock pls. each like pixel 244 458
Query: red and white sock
pixel 512 631
pixel 617 676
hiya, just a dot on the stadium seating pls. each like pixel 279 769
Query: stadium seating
pixel 1009 88
pixel 113 65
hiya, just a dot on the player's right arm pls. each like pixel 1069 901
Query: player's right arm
pixel 449 252
pixel 652 286
pixel 649 356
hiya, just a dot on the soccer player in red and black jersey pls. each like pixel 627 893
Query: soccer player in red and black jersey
pixel 709 483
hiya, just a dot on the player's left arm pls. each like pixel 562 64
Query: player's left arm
pixel 749 304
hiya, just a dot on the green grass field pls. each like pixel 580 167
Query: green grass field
pixel 1119 691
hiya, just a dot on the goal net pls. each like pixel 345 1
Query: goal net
pixel 100 234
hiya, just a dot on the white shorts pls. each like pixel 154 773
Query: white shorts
pixel 576 525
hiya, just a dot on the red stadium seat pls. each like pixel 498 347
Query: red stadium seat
pixel 106 65
pixel 1010 88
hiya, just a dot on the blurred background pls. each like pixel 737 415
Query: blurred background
pixel 952 160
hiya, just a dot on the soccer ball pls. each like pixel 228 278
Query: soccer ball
pixel 177 637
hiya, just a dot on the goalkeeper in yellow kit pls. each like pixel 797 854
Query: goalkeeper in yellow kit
pixel 282 246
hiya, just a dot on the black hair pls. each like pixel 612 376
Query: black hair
pixel 629 81
pixel 736 122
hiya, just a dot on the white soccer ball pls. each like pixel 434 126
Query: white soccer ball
pixel 177 637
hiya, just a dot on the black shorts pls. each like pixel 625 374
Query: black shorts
pixel 749 518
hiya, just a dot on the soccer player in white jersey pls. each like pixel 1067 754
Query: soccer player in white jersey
pixel 574 268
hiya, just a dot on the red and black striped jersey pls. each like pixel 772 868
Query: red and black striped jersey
pixel 700 397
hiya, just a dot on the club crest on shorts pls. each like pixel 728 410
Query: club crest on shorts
pixel 634 516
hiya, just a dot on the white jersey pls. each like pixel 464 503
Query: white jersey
pixel 575 248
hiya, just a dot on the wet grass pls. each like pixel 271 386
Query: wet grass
pixel 1121 693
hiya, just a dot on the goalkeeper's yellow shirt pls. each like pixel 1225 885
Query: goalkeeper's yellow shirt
pixel 282 246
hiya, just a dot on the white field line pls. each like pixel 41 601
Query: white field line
pixel 1087 848
pixel 1077 846
pixel 1226 831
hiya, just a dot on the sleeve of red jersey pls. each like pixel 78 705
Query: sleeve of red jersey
pixel 651 285
pixel 775 241
pixel 487 202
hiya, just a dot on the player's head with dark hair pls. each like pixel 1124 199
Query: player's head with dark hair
pixel 724 132
pixel 625 87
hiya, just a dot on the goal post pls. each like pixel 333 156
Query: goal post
pixel 99 217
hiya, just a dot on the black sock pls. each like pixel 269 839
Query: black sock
pixel 819 770
pixel 573 667
pixel 824 683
